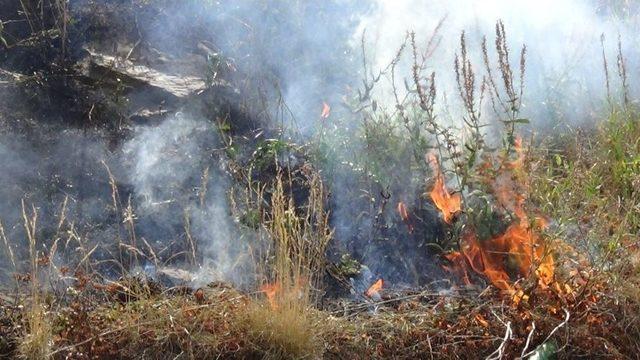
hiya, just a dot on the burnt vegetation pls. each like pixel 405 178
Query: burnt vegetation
pixel 222 179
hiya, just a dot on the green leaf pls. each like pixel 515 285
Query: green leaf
pixel 558 160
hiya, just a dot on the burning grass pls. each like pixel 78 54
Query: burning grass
pixel 539 239
pixel 582 315
pixel 519 247
pixel 578 312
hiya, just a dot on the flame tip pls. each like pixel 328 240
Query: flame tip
pixel 374 290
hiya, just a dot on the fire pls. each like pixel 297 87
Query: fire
pixel 404 214
pixel 270 291
pixel 509 186
pixel 447 204
pixel 326 110
pixel 374 290
pixel 517 146
pixel 516 252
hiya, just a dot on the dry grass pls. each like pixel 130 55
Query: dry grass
pixel 218 321
pixel 285 326
pixel 225 323
pixel 300 236
pixel 156 326
pixel 285 332
pixel 39 338
pixel 38 341
pixel 591 189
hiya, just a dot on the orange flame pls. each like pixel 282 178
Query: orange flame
pixel 519 248
pixel 404 214
pixel 447 204
pixel 326 110
pixel 517 251
pixel 508 186
pixel 270 291
pixel 374 290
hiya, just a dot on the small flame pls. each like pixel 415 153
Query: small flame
pixel 374 290
pixel 448 204
pixel 270 291
pixel 481 320
pixel 404 214
pixel 326 110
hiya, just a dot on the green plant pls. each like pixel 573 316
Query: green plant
pixel 267 153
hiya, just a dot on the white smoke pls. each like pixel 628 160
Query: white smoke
pixel 167 158
pixel 564 79
pixel 177 178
